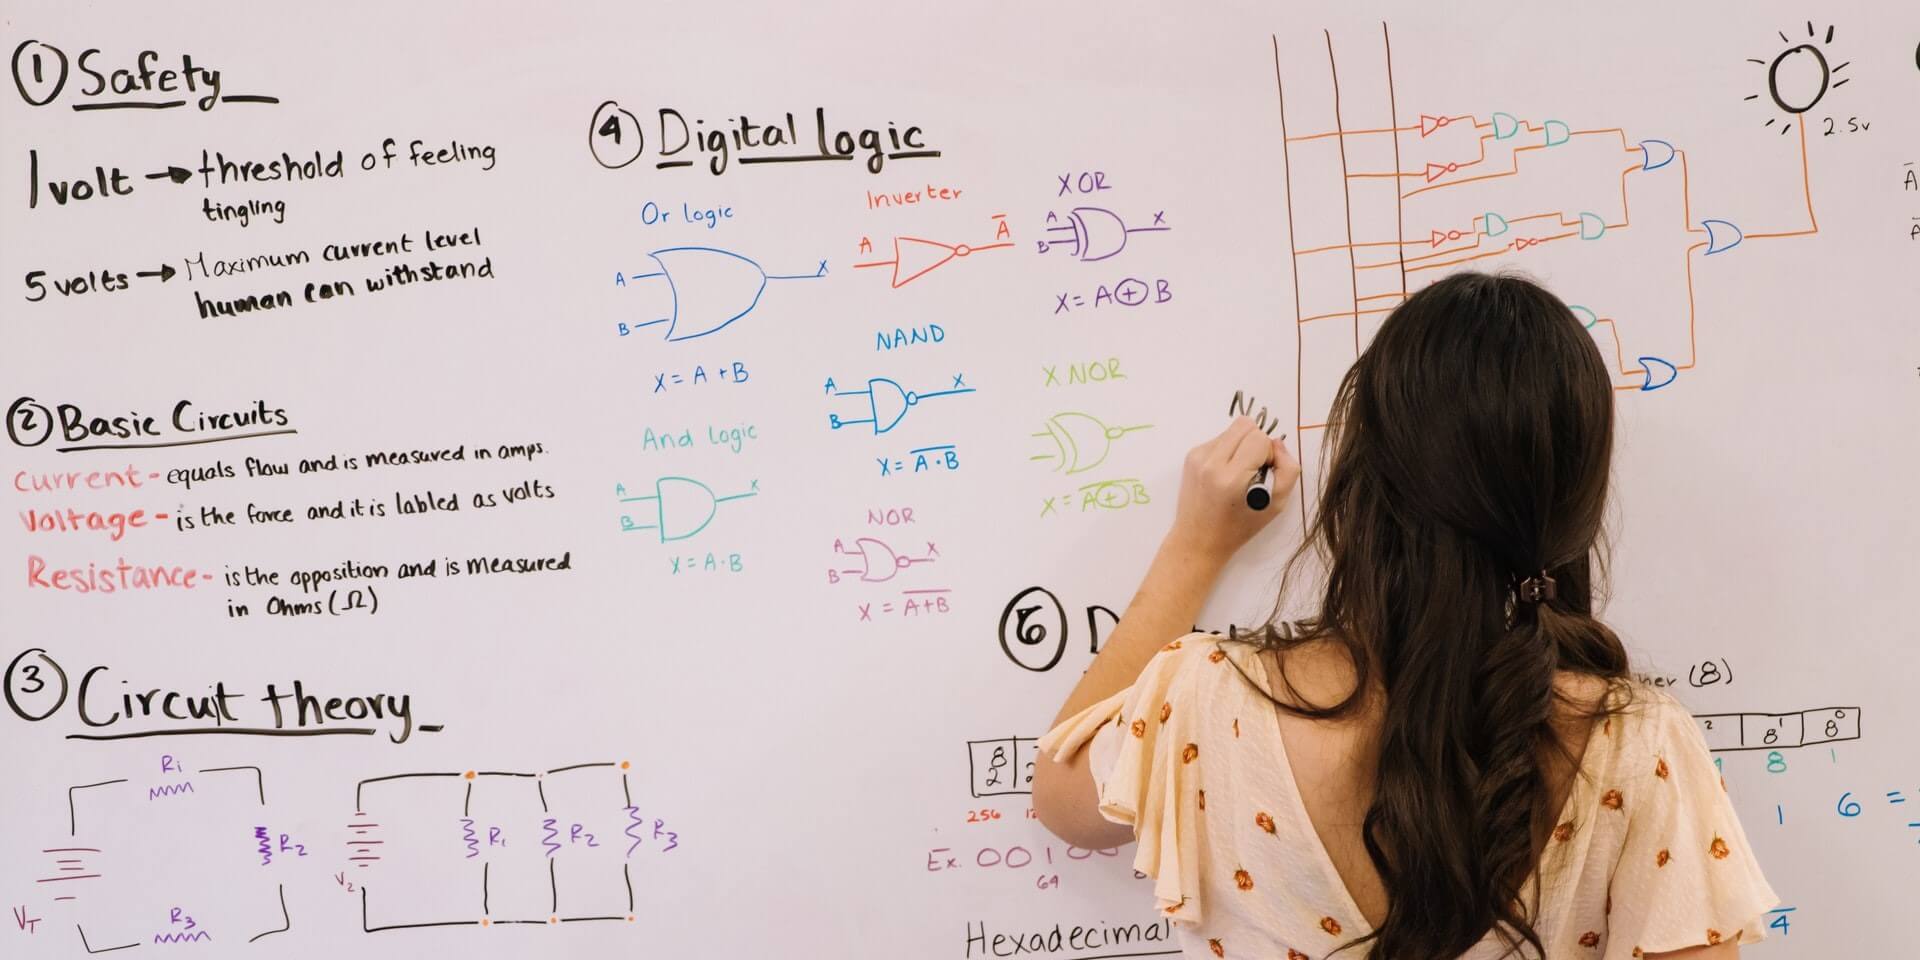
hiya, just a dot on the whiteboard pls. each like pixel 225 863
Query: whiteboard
pixel 633 479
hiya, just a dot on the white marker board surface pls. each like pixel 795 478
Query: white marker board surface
pixel 810 383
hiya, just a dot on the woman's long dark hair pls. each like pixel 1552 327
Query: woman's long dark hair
pixel 1469 448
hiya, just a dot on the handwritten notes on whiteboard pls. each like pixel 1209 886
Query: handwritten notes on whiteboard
pixel 632 478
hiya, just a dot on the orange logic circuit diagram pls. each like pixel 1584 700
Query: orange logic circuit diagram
pixel 1383 200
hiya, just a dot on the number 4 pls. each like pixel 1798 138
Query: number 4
pixel 1779 921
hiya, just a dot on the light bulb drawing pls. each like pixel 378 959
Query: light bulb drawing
pixel 1799 77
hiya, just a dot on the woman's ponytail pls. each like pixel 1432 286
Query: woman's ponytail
pixel 1459 524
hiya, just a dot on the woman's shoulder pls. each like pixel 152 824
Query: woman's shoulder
pixel 1300 671
pixel 1639 726
pixel 1648 709
pixel 1185 661
pixel 1207 648
pixel 1678 867
pixel 1208 672
pixel 1647 706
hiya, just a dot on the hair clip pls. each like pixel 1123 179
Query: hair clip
pixel 1536 589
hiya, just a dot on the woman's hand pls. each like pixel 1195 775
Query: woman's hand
pixel 1212 520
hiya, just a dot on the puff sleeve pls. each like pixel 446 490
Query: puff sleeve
pixel 1686 875
pixel 1145 759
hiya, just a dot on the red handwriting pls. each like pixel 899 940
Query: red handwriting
pixel 131 477
pixel 112 578
pixel 901 199
pixel 114 523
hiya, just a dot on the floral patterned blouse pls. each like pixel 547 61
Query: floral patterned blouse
pixel 1648 855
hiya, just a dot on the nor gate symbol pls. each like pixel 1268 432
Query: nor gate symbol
pixel 879 561
pixel 682 507
pixel 711 288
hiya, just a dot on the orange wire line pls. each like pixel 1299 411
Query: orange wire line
pixel 1347 313
pixel 1686 196
pixel 1449 263
pixel 1687 222
pixel 1693 345
pixel 1620 359
pixel 1490 176
pixel 1349 133
pixel 1377 130
pixel 1348 246
pixel 1618 130
pixel 1806 188
pixel 1475 245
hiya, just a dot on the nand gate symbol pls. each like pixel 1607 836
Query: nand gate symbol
pixel 1072 942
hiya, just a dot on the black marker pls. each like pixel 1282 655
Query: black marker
pixel 1260 488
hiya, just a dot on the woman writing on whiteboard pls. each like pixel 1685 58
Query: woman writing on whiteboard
pixel 1448 757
